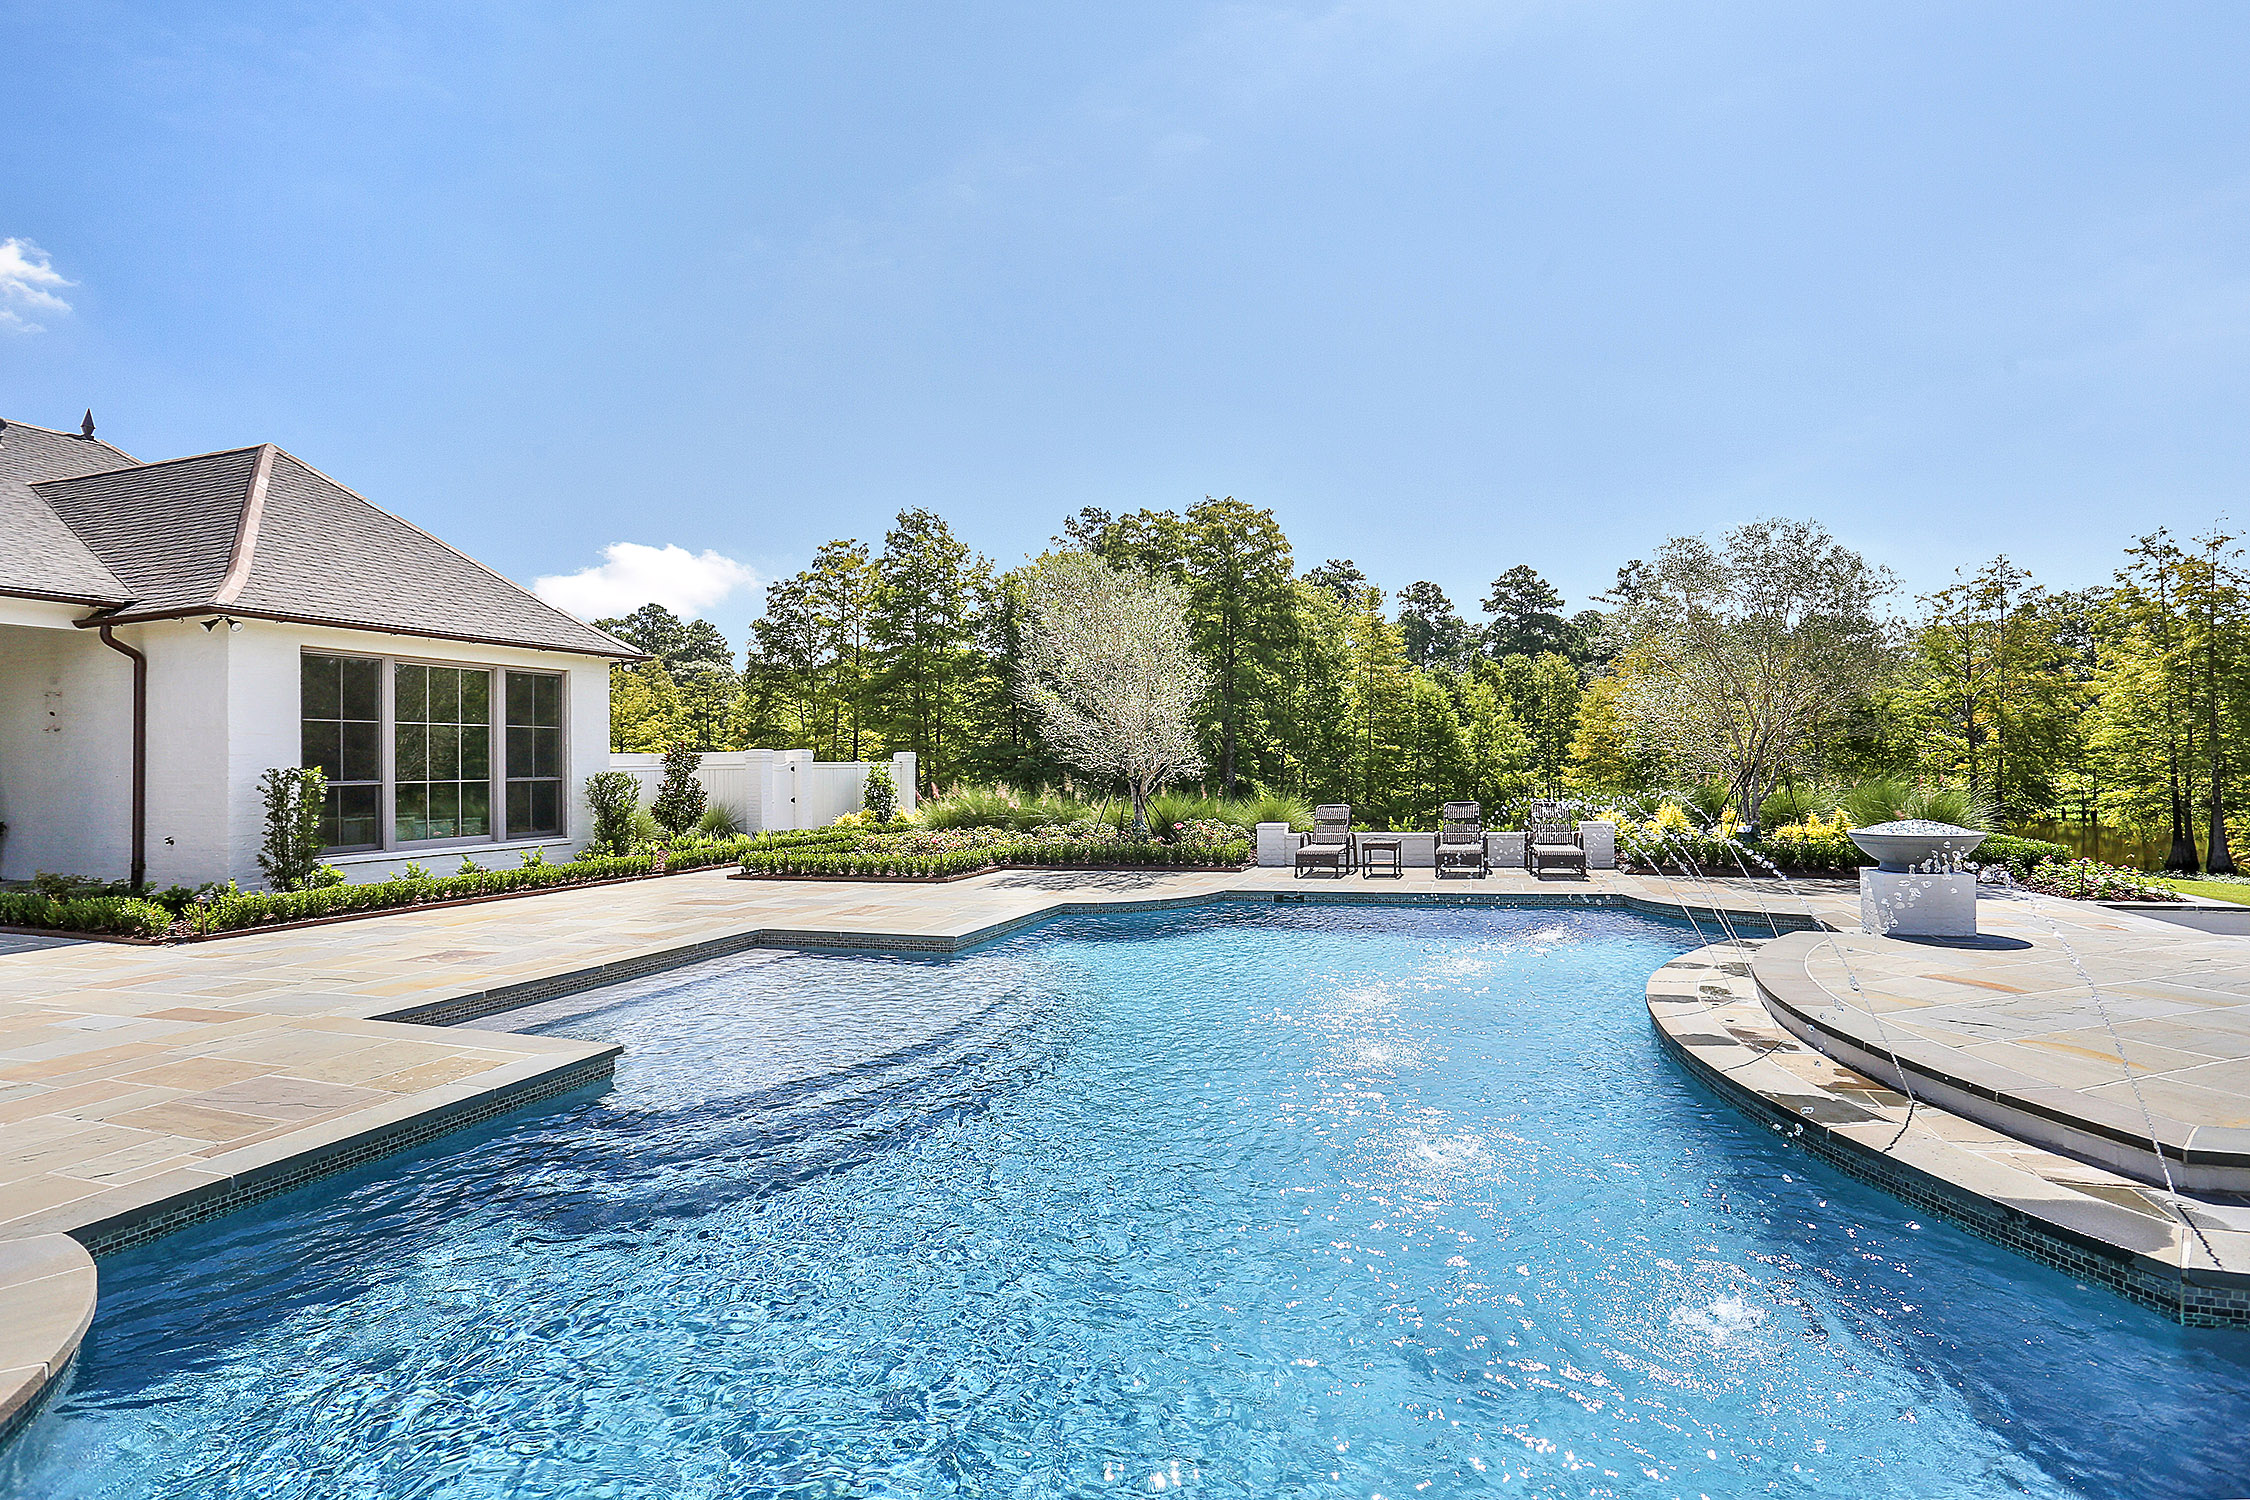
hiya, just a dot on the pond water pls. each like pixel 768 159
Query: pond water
pixel 2134 849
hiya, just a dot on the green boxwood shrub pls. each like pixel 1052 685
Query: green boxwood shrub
pixel 2021 856
pixel 124 916
pixel 857 862
pixel 232 911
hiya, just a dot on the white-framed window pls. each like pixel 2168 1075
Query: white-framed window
pixel 409 747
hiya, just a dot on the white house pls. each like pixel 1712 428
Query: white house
pixel 169 631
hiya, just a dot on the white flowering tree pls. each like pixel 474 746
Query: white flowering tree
pixel 1109 671
pixel 1744 656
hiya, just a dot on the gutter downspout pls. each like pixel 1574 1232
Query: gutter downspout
pixel 140 755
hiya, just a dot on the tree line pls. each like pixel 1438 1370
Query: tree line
pixel 1771 659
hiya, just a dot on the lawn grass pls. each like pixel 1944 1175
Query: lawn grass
pixel 2216 890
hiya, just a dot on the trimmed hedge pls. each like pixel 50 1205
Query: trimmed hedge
pixel 123 916
pixel 854 862
pixel 243 909
pixel 2021 856
pixel 1061 853
pixel 1067 853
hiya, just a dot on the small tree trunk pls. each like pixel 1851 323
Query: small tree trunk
pixel 2181 858
pixel 2218 858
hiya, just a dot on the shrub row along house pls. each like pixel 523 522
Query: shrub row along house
pixel 170 630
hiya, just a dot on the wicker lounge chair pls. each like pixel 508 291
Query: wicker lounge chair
pixel 1330 843
pixel 1460 839
pixel 1553 839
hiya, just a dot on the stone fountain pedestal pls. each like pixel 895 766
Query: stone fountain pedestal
pixel 1910 905
pixel 1919 890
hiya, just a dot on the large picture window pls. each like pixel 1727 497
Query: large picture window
pixel 534 753
pixel 420 753
pixel 343 735
pixel 442 760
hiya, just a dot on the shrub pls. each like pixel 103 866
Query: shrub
pixel 1797 802
pixel 2091 880
pixel 881 795
pixel 1812 843
pixel 1887 799
pixel 1207 833
pixel 1003 807
pixel 125 916
pixel 614 797
pixel 678 804
pixel 719 823
pixel 2021 856
pixel 294 797
pixel 934 853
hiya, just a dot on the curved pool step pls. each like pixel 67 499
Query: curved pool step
pixel 2188 1258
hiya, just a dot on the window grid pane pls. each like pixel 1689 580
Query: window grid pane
pixel 339 731
pixel 441 753
pixel 534 745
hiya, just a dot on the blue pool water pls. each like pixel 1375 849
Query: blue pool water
pixel 1248 1202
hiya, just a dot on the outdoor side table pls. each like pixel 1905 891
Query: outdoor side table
pixel 1382 846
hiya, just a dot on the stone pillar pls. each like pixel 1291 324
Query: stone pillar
pixel 1504 850
pixel 1277 845
pixel 1600 839
pixel 902 776
pixel 1910 905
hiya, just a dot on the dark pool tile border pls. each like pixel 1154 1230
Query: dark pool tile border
pixel 140 1224
pixel 2196 1298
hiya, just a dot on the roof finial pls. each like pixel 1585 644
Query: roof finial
pixel 86 428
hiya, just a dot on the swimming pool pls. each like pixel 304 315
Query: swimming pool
pixel 1246 1201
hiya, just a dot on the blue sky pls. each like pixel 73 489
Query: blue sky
pixel 1449 286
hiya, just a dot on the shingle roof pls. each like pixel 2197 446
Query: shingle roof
pixel 39 556
pixel 324 554
pixel 255 533
pixel 167 530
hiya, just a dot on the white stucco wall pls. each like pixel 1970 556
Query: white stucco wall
pixel 264 731
pixel 223 708
pixel 66 716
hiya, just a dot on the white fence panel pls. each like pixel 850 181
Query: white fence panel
pixel 776 789
pixel 828 789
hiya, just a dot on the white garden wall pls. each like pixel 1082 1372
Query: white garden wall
pixel 769 790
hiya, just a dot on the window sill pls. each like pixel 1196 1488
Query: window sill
pixel 444 850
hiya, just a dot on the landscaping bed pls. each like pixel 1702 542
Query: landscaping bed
pixel 179 915
pixel 951 854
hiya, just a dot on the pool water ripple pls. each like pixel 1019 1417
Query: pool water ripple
pixel 1317 1202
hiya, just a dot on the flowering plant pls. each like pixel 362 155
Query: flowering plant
pixel 1209 833
pixel 2091 880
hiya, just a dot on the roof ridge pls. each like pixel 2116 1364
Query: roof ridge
pixel 457 552
pixel 76 437
pixel 136 465
pixel 246 529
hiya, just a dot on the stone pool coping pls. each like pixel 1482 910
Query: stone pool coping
pixel 2185 1257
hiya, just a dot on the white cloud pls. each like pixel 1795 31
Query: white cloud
pixel 26 282
pixel 632 575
